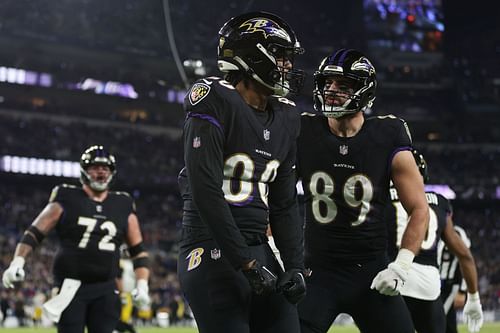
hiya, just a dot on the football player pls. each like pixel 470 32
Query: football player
pixel 126 283
pixel 239 151
pixel 422 288
pixel 454 288
pixel 346 162
pixel 91 223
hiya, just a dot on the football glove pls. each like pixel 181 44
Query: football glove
pixel 262 280
pixel 473 312
pixel 140 294
pixel 293 285
pixel 15 272
pixel 391 280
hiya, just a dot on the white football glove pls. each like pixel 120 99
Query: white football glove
pixel 391 280
pixel 473 312
pixel 14 273
pixel 140 294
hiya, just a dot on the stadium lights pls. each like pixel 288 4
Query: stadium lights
pixel 39 166
pixel 24 77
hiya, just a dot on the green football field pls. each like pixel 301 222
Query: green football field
pixel 487 328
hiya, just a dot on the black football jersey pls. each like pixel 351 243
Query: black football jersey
pixel 252 157
pixel 397 219
pixel 90 234
pixel 346 187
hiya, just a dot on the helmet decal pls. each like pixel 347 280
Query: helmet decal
pixel 363 64
pixel 266 26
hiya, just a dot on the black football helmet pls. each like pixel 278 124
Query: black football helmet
pixel 350 64
pixel 96 155
pixel 252 44
pixel 422 164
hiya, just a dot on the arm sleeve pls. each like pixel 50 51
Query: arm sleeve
pixel 204 159
pixel 286 224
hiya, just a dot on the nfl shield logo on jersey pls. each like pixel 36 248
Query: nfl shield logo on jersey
pixel 343 150
pixel 267 134
pixel 215 254
pixel 196 142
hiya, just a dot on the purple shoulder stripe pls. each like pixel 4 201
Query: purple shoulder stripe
pixel 397 150
pixel 207 117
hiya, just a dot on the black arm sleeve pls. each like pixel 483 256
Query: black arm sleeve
pixel 205 167
pixel 284 217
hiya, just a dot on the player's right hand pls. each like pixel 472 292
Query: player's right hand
pixel 293 285
pixel 473 312
pixel 262 280
pixel 15 272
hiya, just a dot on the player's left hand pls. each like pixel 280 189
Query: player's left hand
pixel 292 285
pixel 391 280
pixel 473 313
pixel 140 294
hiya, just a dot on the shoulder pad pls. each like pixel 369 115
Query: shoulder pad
pixel 283 100
pixel 70 186
pixel 58 191
pixel 126 196
pixel 390 118
pixel 206 89
pixel 122 193
pixel 387 116
pixel 394 122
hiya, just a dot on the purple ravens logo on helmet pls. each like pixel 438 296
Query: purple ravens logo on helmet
pixel 363 64
pixel 266 26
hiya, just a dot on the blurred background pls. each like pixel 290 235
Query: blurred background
pixel 79 72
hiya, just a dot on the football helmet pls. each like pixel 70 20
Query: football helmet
pixel 422 164
pixel 96 155
pixel 350 64
pixel 256 44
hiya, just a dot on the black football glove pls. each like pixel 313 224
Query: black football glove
pixel 262 280
pixel 292 285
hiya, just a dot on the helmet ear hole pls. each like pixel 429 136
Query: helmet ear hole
pixel 275 75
